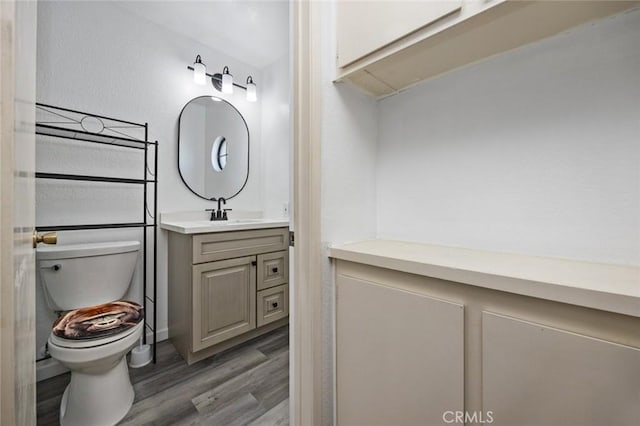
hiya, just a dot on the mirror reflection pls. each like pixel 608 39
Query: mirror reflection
pixel 213 148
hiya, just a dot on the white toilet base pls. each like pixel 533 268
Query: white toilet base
pixel 97 399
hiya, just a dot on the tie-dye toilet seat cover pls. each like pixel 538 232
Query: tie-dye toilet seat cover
pixel 98 321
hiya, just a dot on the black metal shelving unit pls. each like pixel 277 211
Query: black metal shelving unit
pixel 63 123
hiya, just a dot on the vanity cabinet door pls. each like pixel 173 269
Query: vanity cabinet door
pixel 224 300
pixel 273 269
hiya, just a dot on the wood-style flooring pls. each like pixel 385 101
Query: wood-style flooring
pixel 245 385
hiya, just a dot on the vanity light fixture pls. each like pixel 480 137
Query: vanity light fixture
pixel 251 90
pixel 199 72
pixel 223 82
pixel 227 81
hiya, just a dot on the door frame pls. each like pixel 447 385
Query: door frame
pixel 306 309
pixel 17 260
pixel 7 330
pixel 306 391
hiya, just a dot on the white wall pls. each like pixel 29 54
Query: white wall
pixel 97 57
pixel 536 151
pixel 348 139
pixel 275 91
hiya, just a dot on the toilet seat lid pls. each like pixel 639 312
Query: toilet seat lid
pixel 92 343
pixel 99 321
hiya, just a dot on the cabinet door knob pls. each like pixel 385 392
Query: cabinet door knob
pixel 274 305
pixel 254 263
pixel 274 270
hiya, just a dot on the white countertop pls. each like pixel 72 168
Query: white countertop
pixel 196 222
pixel 608 287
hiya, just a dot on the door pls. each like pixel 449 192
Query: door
pixel 17 214
pixel 224 300
pixel 306 281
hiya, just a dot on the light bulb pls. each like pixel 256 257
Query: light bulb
pixel 251 90
pixel 227 81
pixel 199 72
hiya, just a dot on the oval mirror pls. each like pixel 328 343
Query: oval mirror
pixel 213 148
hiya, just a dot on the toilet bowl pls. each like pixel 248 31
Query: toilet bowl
pixel 95 330
pixel 100 391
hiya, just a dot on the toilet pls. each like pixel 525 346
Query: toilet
pixel 95 329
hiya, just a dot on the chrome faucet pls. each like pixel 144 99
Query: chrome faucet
pixel 220 213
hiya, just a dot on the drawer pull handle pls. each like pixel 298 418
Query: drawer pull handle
pixel 274 270
pixel 274 305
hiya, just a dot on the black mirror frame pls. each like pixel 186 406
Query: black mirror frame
pixel 248 149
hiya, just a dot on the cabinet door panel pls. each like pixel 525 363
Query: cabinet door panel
pixel 272 304
pixel 224 300
pixel 533 375
pixel 273 269
pixel 364 27
pixel 399 355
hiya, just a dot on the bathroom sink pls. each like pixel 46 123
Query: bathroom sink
pixel 228 222
pixel 206 226
pixel 242 221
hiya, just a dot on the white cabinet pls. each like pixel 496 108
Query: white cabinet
pixel 226 288
pixel 399 356
pixel 411 348
pixel 364 27
pixel 387 46
pixel 533 374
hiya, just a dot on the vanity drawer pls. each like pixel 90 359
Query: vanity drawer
pixel 227 245
pixel 272 304
pixel 273 269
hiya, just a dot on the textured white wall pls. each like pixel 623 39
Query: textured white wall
pixel 275 138
pixel 348 182
pixel 97 57
pixel 536 151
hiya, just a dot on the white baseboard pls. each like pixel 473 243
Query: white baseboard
pixel 160 335
pixel 49 367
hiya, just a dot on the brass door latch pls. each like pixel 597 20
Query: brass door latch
pixel 48 238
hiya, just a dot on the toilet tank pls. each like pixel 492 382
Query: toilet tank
pixel 80 275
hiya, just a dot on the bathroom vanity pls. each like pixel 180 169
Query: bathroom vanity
pixel 521 339
pixel 228 283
